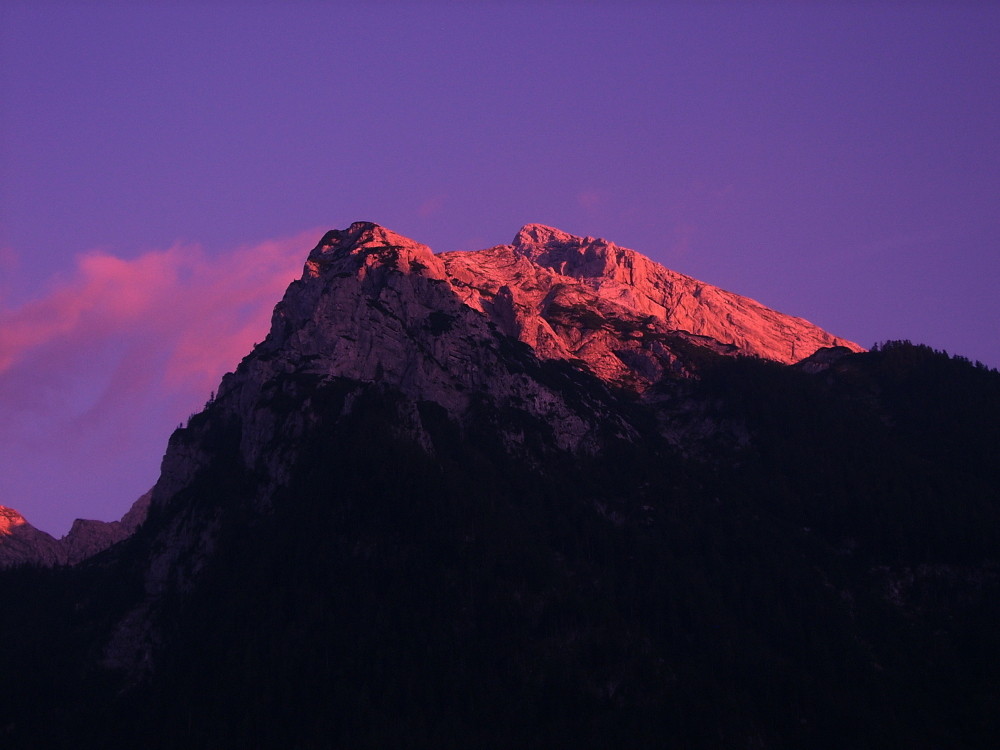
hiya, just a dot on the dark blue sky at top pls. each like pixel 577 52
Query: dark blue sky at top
pixel 836 161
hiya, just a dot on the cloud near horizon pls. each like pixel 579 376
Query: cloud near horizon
pixel 195 314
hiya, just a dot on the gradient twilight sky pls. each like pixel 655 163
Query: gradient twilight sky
pixel 166 166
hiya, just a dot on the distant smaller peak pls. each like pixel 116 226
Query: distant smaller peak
pixel 540 234
pixel 365 244
pixel 361 234
pixel 347 237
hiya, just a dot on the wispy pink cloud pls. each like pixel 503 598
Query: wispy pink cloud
pixel 199 312
pixel 97 369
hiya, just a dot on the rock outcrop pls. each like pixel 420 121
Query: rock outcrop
pixel 373 305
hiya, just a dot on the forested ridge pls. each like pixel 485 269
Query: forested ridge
pixel 821 570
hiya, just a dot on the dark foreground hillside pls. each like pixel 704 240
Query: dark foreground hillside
pixel 819 568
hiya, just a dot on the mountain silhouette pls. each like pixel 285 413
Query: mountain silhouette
pixel 549 494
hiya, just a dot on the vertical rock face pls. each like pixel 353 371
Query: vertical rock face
pixel 375 307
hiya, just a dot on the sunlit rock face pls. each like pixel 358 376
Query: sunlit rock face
pixel 373 306
pixel 10 519
pixel 645 288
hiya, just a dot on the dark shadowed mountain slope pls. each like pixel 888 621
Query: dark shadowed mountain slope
pixel 405 522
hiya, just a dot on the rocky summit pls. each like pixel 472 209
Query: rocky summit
pixel 589 299
pixel 547 494
pixel 610 309
pixel 374 306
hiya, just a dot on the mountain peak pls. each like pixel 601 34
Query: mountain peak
pixel 505 482
pixel 366 246
pixel 20 542
pixel 531 235
pixel 359 234
pixel 644 288
pixel 570 255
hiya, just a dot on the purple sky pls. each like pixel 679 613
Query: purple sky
pixel 167 166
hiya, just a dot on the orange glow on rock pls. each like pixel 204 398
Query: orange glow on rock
pixel 9 520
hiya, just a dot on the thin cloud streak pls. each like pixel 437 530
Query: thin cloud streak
pixel 198 310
